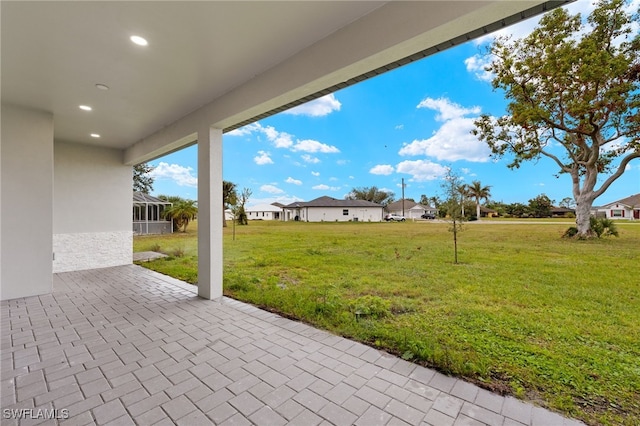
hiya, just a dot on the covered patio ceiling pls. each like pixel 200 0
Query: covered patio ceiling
pixel 229 63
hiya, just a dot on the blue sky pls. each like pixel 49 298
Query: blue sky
pixel 409 123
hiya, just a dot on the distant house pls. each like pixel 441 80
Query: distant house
pixel 148 215
pixel 328 209
pixel 626 208
pixel 487 212
pixel 562 212
pixel 412 210
pixel 264 212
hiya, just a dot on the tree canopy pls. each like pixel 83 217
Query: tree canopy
pixel 574 97
pixel 372 194
pixel 142 181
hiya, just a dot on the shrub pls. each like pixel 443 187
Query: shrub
pixel 570 233
pixel 156 247
pixel 603 227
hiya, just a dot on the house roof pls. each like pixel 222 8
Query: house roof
pixel 397 205
pixel 631 201
pixel 326 201
pixel 224 64
pixel 484 209
pixel 263 208
pixel 562 210
pixel 141 197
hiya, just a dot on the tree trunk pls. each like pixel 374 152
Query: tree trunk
pixel 583 215
pixel 478 211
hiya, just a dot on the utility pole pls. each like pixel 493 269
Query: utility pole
pixel 403 197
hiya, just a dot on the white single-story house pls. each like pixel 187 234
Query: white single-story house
pixel 148 215
pixel 412 210
pixel 264 212
pixel 328 209
pixel 626 208
pixel 89 89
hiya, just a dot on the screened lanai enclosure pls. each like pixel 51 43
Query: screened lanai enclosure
pixel 148 215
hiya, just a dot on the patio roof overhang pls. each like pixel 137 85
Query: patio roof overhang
pixel 227 63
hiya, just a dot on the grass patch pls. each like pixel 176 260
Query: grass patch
pixel 526 312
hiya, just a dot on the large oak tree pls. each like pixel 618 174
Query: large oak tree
pixel 573 85
pixel 371 193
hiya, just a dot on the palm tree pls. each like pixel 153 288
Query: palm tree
pixel 173 199
pixel 463 190
pixel 182 212
pixel 229 197
pixel 478 192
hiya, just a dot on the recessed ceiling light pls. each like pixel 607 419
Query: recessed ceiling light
pixel 95 135
pixel 102 86
pixel 85 107
pixel 139 40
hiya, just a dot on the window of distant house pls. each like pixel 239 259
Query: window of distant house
pixel 345 212
pixel 262 214
pixel 617 213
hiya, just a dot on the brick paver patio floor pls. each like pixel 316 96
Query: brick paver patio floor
pixel 124 346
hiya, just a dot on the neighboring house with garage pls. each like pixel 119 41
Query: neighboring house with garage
pixel 626 208
pixel 412 210
pixel 328 209
pixel 264 212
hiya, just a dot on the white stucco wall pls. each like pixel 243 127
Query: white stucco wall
pixel 26 172
pixel 626 211
pixel 91 208
pixel 332 214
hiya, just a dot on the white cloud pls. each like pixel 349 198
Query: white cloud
pixel 323 187
pixel 352 177
pixel 262 158
pixel 315 173
pixel 309 145
pixel 399 127
pixel 244 130
pixel 182 176
pixel 342 162
pixel 285 141
pixel 382 169
pixel 293 181
pixel 477 65
pixel 310 159
pixel 281 140
pixel 271 189
pixel 421 170
pixel 453 141
pixel 446 109
pixel 317 107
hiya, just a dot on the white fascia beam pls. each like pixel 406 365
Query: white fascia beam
pixel 390 33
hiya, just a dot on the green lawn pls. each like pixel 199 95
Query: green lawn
pixel 526 312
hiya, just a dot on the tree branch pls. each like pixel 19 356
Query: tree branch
pixel 623 165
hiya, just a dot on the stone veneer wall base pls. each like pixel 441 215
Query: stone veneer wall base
pixel 91 250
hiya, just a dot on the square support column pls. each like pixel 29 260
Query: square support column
pixel 210 213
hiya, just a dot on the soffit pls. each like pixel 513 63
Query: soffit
pixel 53 54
